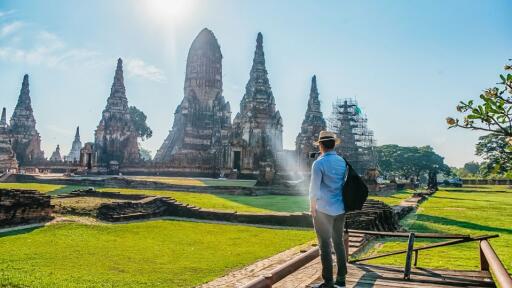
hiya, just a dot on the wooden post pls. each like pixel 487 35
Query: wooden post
pixel 416 258
pixel 408 259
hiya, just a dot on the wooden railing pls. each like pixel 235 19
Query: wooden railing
pixel 489 261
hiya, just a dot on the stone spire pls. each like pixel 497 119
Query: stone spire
pixel 116 136
pixel 312 124
pixel 258 128
pixel 199 139
pixel 3 120
pixel 23 116
pixel 117 101
pixel 258 85
pixel 74 154
pixel 77 134
pixel 56 157
pixel 26 141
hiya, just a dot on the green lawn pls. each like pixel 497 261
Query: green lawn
pixel 474 210
pixel 258 204
pixel 43 188
pixel 145 254
pixel 394 198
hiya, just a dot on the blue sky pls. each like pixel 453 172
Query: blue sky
pixel 408 63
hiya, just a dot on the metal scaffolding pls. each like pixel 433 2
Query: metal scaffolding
pixel 357 142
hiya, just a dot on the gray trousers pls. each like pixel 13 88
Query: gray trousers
pixel 329 228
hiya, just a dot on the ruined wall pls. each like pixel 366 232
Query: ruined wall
pixel 23 207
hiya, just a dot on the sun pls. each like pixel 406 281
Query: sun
pixel 168 11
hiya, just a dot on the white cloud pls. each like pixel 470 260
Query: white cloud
pixel 25 43
pixel 50 50
pixel 137 67
pixel 5 13
pixel 9 28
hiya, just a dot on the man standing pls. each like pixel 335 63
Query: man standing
pixel 327 208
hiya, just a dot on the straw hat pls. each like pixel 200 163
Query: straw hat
pixel 327 135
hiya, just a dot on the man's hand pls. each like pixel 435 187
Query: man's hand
pixel 312 208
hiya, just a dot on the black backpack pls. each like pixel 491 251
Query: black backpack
pixel 355 191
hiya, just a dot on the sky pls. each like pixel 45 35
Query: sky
pixel 407 63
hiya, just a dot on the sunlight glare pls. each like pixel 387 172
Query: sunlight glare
pixel 169 11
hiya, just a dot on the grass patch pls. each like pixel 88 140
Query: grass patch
pixel 474 210
pixel 145 254
pixel 395 198
pixel 277 203
pixel 256 204
pixel 43 188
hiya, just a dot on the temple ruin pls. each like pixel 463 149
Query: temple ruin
pixel 312 124
pixel 74 153
pixel 26 141
pixel 357 143
pixel 199 139
pixel 56 157
pixel 116 136
pixel 7 157
pixel 203 141
pixel 258 127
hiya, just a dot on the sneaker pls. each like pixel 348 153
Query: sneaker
pixel 322 285
pixel 339 284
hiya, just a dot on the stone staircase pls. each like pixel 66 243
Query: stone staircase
pixel 375 215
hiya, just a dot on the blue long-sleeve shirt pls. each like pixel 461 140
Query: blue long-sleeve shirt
pixel 326 186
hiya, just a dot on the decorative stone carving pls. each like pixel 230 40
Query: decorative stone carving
pixel 116 136
pixel 199 138
pixel 7 157
pixel 26 141
pixel 312 124
pixel 56 157
pixel 258 127
pixel 74 154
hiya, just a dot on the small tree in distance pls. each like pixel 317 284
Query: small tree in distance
pixel 139 121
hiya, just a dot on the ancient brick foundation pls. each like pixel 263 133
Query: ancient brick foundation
pixel 375 215
pixel 23 207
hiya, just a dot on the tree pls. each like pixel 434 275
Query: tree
pixel 145 154
pixel 495 149
pixel 494 114
pixel 472 167
pixel 139 121
pixel 409 161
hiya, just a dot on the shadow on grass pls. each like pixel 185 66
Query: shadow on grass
pixel 467 190
pixel 463 199
pixel 19 232
pixel 458 223
pixel 66 190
